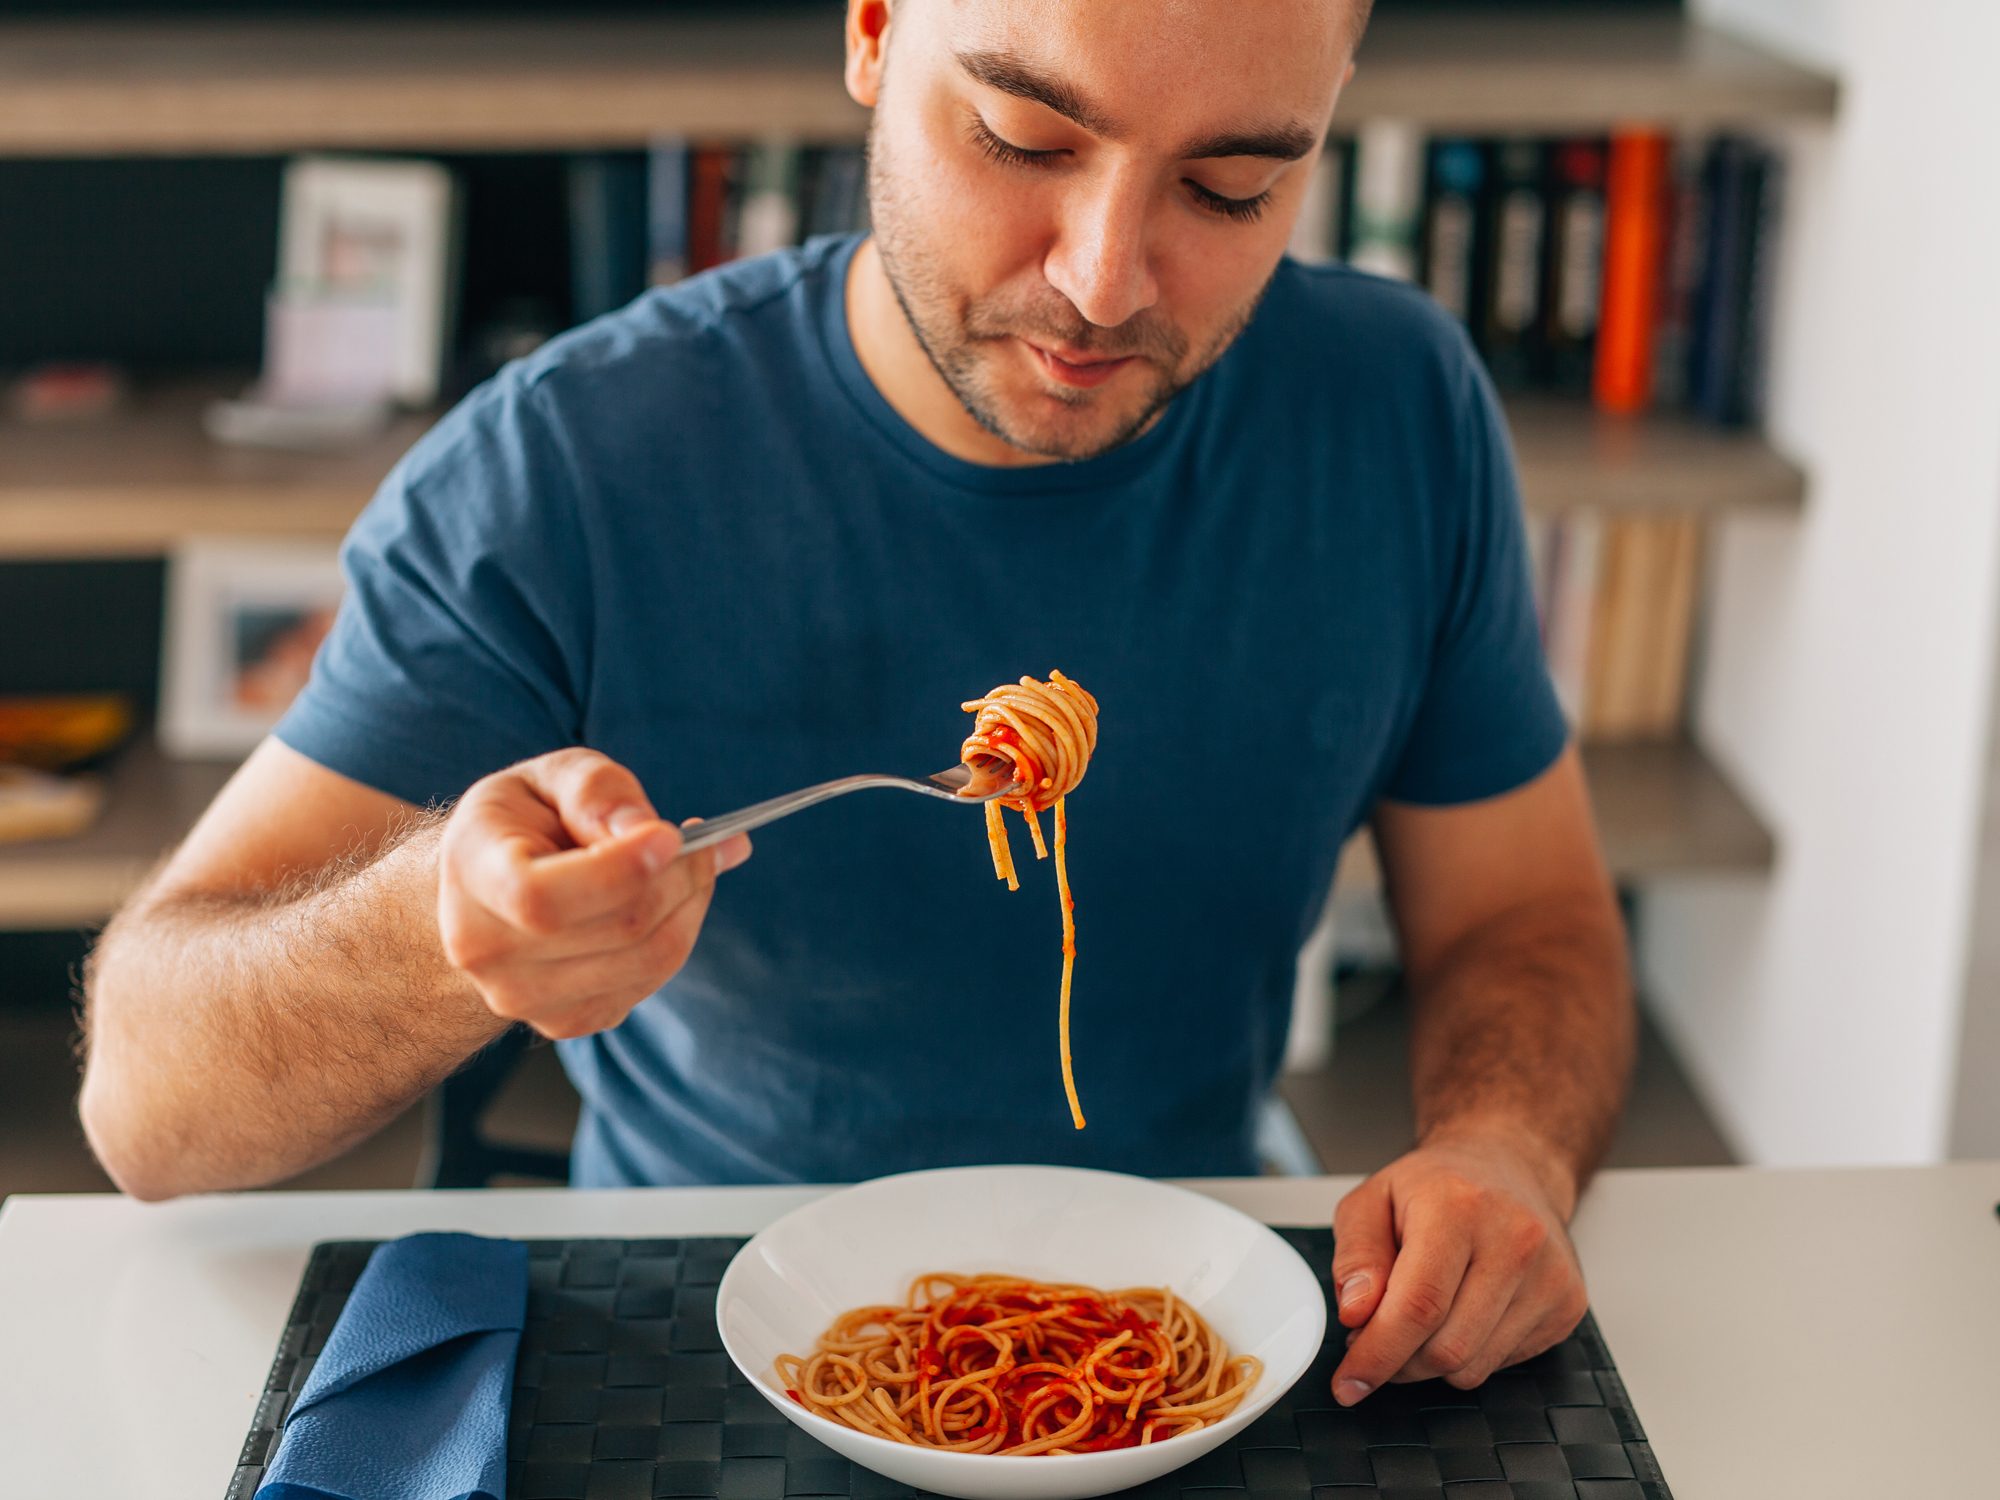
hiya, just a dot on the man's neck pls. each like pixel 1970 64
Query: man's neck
pixel 903 372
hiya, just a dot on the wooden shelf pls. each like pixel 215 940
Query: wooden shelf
pixel 1564 71
pixel 1663 809
pixel 104 88
pixel 134 484
pixel 194 87
pixel 1570 455
pixel 151 804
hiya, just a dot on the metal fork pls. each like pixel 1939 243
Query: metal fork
pixel 945 784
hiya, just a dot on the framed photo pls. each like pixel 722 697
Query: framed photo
pixel 363 304
pixel 244 621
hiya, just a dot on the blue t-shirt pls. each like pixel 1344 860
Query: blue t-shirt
pixel 694 536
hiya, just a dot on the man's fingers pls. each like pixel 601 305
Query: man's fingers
pixel 1429 1267
pixel 1545 1311
pixel 594 796
pixel 577 996
pixel 1467 1338
pixel 1364 1239
pixel 553 893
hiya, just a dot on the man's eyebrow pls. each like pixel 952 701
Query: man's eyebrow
pixel 1284 143
pixel 1012 76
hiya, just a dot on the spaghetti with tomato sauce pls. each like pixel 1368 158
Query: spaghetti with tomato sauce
pixel 1003 1365
pixel 1036 739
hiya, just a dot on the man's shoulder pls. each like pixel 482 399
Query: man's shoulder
pixel 673 360
pixel 765 304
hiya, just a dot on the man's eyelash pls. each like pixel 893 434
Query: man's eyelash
pixel 1243 210
pixel 1008 153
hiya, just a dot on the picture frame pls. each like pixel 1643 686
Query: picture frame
pixel 363 305
pixel 244 620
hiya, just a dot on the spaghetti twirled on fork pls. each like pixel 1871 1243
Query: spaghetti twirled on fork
pixel 1038 737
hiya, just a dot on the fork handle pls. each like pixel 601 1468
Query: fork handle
pixel 757 814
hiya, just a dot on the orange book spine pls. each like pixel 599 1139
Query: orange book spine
pixel 1634 243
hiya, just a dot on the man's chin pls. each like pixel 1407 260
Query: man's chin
pixel 1064 427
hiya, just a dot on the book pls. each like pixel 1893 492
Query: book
pixel 1684 234
pixel 1509 329
pixel 711 207
pixel 834 191
pixel 1635 201
pixel 769 217
pixel 1617 595
pixel 1318 233
pixel 608 231
pixel 1731 307
pixel 666 210
pixel 1454 228
pixel 1574 264
pixel 1388 198
pixel 1641 621
pixel 1574 549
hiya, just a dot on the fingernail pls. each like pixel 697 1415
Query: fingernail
pixel 1355 1287
pixel 1347 1392
pixel 658 852
pixel 730 855
pixel 624 819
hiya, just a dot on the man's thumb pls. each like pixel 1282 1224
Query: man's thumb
pixel 1364 1248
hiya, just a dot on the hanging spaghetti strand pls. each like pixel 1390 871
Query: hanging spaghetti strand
pixel 1035 738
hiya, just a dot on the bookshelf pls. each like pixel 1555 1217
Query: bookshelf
pixel 150 803
pixel 103 89
pixel 134 485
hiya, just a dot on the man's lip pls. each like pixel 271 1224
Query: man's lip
pixel 1075 367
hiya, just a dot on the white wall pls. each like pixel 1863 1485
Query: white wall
pixel 1849 674
pixel 1807 31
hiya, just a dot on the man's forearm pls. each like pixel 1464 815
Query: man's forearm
pixel 1526 1026
pixel 234 1040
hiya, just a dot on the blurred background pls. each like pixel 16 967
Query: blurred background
pixel 1731 265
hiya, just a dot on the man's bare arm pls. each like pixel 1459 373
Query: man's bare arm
pixel 318 954
pixel 1454 1260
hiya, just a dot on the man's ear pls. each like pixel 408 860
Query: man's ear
pixel 867 48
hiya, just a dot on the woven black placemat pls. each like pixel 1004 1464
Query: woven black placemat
pixel 622 1392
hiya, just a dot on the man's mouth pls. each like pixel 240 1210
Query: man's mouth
pixel 1077 367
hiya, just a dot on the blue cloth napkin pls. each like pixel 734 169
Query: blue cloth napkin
pixel 408 1400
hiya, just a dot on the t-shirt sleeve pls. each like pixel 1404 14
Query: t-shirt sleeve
pixel 1487 720
pixel 461 645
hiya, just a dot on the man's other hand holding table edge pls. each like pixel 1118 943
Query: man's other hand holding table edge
pixel 1067 404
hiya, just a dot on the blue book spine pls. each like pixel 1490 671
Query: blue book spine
pixel 667 210
pixel 607 232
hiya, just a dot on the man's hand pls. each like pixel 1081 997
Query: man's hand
pixel 1454 1261
pixel 563 896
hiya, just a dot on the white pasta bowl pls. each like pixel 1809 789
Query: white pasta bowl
pixel 863 1245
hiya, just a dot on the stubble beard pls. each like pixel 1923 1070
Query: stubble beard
pixel 963 337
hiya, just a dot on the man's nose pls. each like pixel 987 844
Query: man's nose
pixel 1100 259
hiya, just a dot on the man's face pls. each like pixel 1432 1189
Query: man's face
pixel 1078 202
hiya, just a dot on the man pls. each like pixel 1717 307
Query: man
pixel 1066 409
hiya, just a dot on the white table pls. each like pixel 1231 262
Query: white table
pixel 1823 1334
